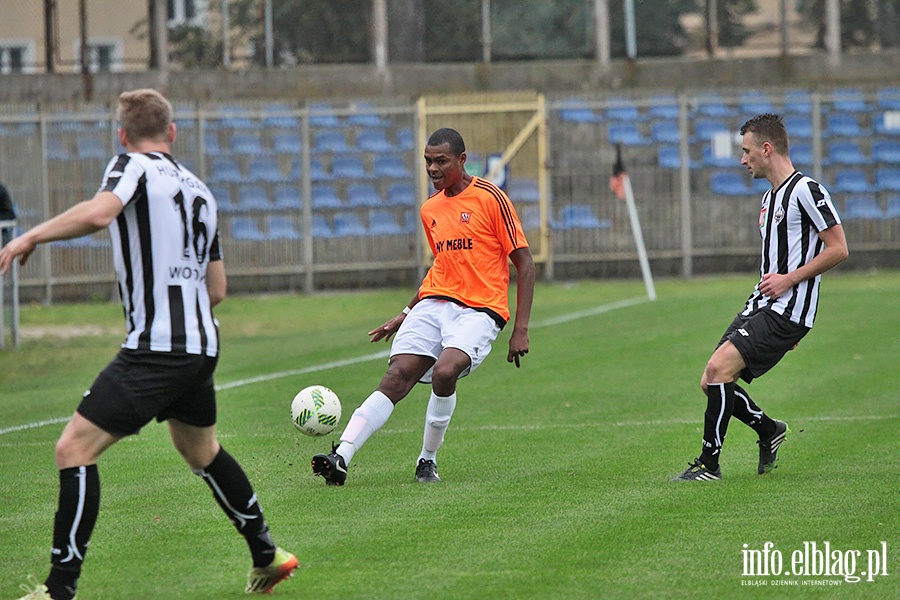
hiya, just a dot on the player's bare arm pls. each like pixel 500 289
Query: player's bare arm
pixel 518 341
pixel 774 285
pixel 390 327
pixel 82 219
pixel 216 282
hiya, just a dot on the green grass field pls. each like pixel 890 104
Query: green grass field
pixel 555 476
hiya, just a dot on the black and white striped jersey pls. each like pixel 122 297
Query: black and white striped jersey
pixel 789 222
pixel 162 241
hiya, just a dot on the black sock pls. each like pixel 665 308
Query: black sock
pixel 719 407
pixel 233 492
pixel 746 411
pixel 76 515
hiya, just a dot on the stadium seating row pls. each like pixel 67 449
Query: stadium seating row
pixel 749 103
pixel 287 197
pixel 341 225
pixel 228 170
pixel 850 181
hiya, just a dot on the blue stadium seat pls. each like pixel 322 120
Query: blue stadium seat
pixel 851 181
pixel 579 114
pixel 245 229
pixel 888 98
pixel 887 123
pixel 863 206
pixel 893 208
pixel 628 134
pixel 211 144
pixel 246 143
pixel 277 116
pixel 253 198
pixel 665 132
pixel 348 167
pixel 664 107
pixel 887 179
pixel 799 127
pixel 705 129
pixel 622 109
pixel 798 102
pixel 287 197
pixel 401 194
pixel 842 125
pixel 91 147
pixel 709 159
pixel 281 228
pixel 373 140
pixel 580 216
pixel 406 139
pixel 669 157
pixel 886 151
pixel 223 197
pixel 754 102
pixel 713 105
pixel 321 228
pixel 330 141
pixel 391 166
pixel 802 155
pixel 847 153
pixel 348 225
pixel 849 100
pixel 760 186
pixel 287 143
pixel 729 183
pixel 383 223
pixel 363 194
pixel 325 196
pixel 265 170
pixel 317 172
pixel 322 115
pixel 226 170
pixel 366 116
pixel 523 190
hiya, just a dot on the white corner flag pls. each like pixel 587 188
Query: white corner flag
pixel 620 184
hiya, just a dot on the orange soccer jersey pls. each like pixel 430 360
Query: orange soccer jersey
pixel 471 236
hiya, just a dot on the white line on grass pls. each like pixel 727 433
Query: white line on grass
pixel 597 310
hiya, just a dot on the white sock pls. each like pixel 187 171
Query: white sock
pixel 437 418
pixel 366 420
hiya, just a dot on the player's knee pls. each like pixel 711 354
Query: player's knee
pixel 69 453
pixel 397 383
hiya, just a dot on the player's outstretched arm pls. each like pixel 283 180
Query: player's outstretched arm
pixel 518 341
pixel 82 219
pixel 390 327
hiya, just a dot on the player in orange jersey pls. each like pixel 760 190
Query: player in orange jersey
pixel 448 327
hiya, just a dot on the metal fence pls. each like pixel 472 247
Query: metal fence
pixel 324 195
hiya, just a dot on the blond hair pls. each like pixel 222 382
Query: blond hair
pixel 144 115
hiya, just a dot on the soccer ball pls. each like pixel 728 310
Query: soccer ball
pixel 316 410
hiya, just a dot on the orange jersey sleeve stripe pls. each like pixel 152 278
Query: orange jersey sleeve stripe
pixel 505 208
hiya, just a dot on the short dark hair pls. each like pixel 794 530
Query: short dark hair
pixel 769 128
pixel 445 135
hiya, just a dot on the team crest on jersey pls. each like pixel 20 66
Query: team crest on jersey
pixel 779 215
pixel 464 217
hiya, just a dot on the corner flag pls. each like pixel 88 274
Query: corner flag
pixel 617 181
pixel 620 184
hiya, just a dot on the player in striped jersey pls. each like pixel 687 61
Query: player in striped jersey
pixel 802 238
pixel 448 327
pixel 163 224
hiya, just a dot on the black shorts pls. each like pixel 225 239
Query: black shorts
pixel 763 339
pixel 140 385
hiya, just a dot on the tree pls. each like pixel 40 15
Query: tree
pixel 860 21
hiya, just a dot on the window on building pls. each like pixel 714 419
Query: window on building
pixel 103 55
pixel 16 57
pixel 186 12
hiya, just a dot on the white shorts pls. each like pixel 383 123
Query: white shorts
pixel 433 325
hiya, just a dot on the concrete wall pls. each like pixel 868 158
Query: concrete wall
pixel 412 80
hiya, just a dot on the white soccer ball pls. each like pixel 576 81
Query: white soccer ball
pixel 316 410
